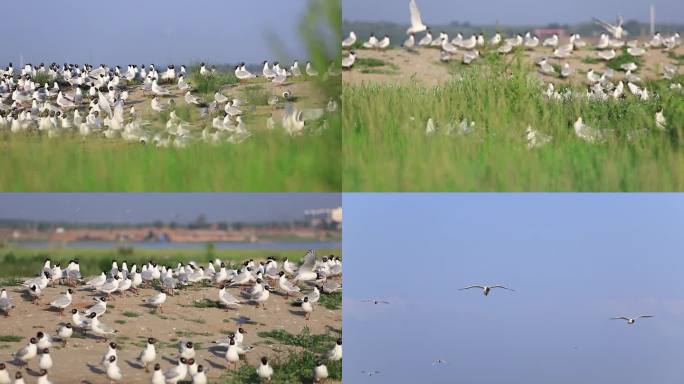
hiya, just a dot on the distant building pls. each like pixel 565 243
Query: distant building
pixel 550 32
pixel 323 216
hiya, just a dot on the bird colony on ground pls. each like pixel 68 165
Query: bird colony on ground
pixel 89 101
pixel 601 85
pixel 315 276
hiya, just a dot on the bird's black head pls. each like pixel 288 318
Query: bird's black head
pixel 33 340
pixel 339 341
pixel 74 311
pixel 40 335
pixel 188 344
pixel 46 351
pixel 151 340
pixel 112 345
pixel 112 358
pixel 264 360
pixel 200 368
pixel 157 367
pixel 191 361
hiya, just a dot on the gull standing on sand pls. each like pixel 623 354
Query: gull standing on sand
pixel 149 354
pixel 486 289
pixel 350 40
pixel 348 62
pixel 27 352
pixel 157 300
pixel 62 302
pixel 5 302
pixel 416 20
pixel 265 371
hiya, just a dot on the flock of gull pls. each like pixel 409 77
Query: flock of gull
pixel 97 101
pixel 486 291
pixel 316 276
pixel 601 86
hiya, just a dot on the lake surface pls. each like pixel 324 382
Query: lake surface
pixel 182 245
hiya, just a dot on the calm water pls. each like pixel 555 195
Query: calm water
pixel 183 245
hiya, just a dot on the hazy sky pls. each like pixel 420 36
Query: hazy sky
pixel 575 260
pixel 512 12
pixel 159 31
pixel 132 207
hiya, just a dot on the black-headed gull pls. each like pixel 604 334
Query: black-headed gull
pixel 486 289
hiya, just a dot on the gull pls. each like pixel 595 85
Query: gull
pixel 348 61
pixel 604 42
pixel 410 42
pixel 551 41
pixel 158 90
pixel 587 133
pixel 469 43
pixel 44 340
pixel 444 56
pixel 113 370
pixel 546 68
pixel 372 42
pixel 661 122
pixel 307 308
pixel 495 40
pixel 335 354
pixel 636 51
pixel 220 98
pixel 628 67
pixel 19 378
pixel 669 71
pixel 430 127
pixel 384 43
pixel 100 306
pixel 448 47
pixel 592 77
pixel 287 286
pixel 438 362
pixel 469 56
pixel 45 361
pixel 261 297
pixel 265 371
pixel 5 302
pixel 62 301
pixel 320 371
pixel 227 299
pixel 111 351
pixel 157 301
pixel 232 355
pixel 191 99
pixel 531 41
pixel 199 377
pixel 371 373
pixel 486 289
pixel 177 373
pixel 350 40
pixel 629 320
pixel 27 352
pixel 416 21
pixel 566 71
pixel 426 40
pixel 267 72
pixel 158 375
pixel 149 354
pixel 616 30
pixel 505 48
pixel 43 378
pixel 64 102
pixel 187 350
pixel 99 328
pixel 375 301
pixel 536 139
pixel 65 332
pixel 4 375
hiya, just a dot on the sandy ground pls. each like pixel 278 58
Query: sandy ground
pixel 79 361
pixel 423 64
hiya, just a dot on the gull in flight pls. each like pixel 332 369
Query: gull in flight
pixel 486 289
pixel 438 362
pixel 370 373
pixel 631 320
pixel 375 301
pixel 416 21
pixel 616 30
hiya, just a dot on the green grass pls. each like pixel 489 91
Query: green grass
pixel 623 58
pixel 120 321
pixel 131 314
pixel 206 303
pixel 10 282
pixel 256 95
pixel 297 366
pixel 10 338
pixel 267 161
pixel 19 261
pixel 42 78
pixel 331 301
pixel 208 85
pixel 369 62
pixel 384 149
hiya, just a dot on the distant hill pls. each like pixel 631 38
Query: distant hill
pixel 397 32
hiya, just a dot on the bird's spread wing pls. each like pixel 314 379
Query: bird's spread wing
pixel 645 316
pixel 416 20
pixel 501 286
pixel 609 27
pixel 472 286
pixel 619 318
pixel 309 260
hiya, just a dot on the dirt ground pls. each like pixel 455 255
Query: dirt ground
pixel 423 64
pixel 79 361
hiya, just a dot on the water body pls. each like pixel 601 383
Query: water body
pixel 181 245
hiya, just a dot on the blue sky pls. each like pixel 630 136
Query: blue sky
pixel 159 31
pixel 575 260
pixel 512 12
pixel 181 207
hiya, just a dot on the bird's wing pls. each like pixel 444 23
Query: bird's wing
pixel 501 286
pixel 309 261
pixel 472 286
pixel 416 20
pixel 645 316
pixel 619 318
pixel 609 27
